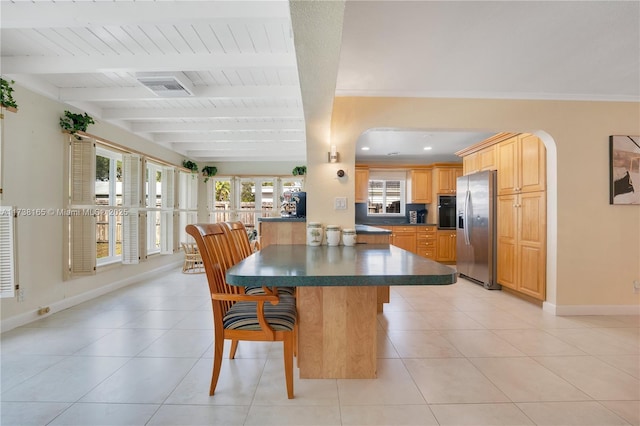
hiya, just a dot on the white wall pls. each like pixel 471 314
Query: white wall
pixel 33 177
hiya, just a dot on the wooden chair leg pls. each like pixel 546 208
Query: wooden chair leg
pixel 218 348
pixel 234 347
pixel 288 363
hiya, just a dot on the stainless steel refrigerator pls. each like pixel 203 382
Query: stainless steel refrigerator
pixel 476 228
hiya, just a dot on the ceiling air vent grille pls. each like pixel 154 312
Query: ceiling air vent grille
pixel 165 86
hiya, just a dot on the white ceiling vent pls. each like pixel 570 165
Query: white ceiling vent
pixel 166 85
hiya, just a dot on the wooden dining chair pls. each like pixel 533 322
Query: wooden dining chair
pixel 236 316
pixel 241 248
pixel 192 260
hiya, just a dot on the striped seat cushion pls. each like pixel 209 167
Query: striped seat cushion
pixel 281 290
pixel 242 315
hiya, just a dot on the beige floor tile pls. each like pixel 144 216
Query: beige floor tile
pixel 422 344
pixel 628 410
pixel 30 413
pixel 497 320
pixel 402 321
pixel 630 364
pixel 586 413
pixel 265 415
pixel 480 343
pixel 452 380
pixel 594 377
pixel 537 342
pixel 505 414
pixel 385 348
pixel 393 386
pixel 106 414
pixel 384 415
pixel 450 320
pixel 198 415
pixel 595 342
pixel 524 380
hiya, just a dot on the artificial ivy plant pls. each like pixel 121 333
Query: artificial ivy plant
pixel 299 171
pixel 6 94
pixel 188 164
pixel 208 171
pixel 74 123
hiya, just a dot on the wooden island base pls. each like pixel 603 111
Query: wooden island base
pixel 337 332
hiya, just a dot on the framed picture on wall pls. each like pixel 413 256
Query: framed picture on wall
pixel 624 169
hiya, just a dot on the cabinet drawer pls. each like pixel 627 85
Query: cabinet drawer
pixel 428 253
pixel 423 243
pixel 404 229
pixel 425 229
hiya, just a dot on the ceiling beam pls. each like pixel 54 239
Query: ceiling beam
pixel 177 113
pixel 99 94
pixel 227 137
pixel 215 126
pixel 171 62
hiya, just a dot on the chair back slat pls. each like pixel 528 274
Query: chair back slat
pixel 215 251
pixel 239 239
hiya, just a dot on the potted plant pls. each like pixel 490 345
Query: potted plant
pixel 209 171
pixel 188 164
pixel 299 171
pixel 74 123
pixel 6 95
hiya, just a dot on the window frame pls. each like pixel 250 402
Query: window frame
pixel 112 209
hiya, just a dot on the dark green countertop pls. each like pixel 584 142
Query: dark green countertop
pixel 361 265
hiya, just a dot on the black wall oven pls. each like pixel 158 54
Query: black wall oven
pixel 446 212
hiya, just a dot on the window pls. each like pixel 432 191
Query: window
pixel 153 203
pixel 386 194
pixel 108 201
pixel 248 198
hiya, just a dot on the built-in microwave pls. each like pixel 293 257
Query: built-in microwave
pixel 446 212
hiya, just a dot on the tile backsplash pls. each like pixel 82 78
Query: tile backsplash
pixel 363 218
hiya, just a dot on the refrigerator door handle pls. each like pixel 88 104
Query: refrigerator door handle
pixel 467 198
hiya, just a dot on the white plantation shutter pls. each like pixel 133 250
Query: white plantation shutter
pixel 211 198
pixel 188 204
pixel 7 253
pixel 82 229
pixel 167 213
pixel 133 223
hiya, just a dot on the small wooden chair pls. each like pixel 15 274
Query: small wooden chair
pixel 241 248
pixel 192 259
pixel 237 316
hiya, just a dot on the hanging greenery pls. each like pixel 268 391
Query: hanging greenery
pixel 188 164
pixel 6 94
pixel 74 123
pixel 299 171
pixel 208 171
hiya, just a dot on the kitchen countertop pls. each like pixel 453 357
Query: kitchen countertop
pixel 282 219
pixel 397 224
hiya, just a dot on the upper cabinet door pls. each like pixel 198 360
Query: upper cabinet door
pixel 446 179
pixel 421 186
pixel 362 183
pixel 521 165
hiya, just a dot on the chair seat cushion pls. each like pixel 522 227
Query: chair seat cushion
pixel 243 316
pixel 281 290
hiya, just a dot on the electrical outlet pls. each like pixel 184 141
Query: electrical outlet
pixel 340 203
pixel 43 311
pixel 636 286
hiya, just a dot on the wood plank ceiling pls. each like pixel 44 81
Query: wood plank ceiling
pixel 236 60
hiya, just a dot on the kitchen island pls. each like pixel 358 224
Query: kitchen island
pixel 337 297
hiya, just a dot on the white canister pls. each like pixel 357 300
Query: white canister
pixel 314 233
pixel 333 235
pixel 349 237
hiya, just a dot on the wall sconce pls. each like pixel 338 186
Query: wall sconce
pixel 333 154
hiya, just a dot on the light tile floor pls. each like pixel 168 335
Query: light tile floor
pixel 450 355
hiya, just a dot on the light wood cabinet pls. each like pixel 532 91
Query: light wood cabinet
pixel 281 232
pixel 446 246
pixel 404 237
pixel 445 179
pixel 478 161
pixel 521 163
pixel 521 240
pixel 362 184
pixel 426 241
pixel 421 186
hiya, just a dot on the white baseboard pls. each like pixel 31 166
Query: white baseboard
pixel 566 310
pixel 27 317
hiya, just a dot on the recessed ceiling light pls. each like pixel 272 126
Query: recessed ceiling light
pixel 365 148
pixel 427 148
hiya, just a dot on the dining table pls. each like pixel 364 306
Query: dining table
pixel 336 298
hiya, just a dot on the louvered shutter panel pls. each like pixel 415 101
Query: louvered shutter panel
pixel 7 254
pixel 211 199
pixel 167 216
pixel 131 200
pixel 82 229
